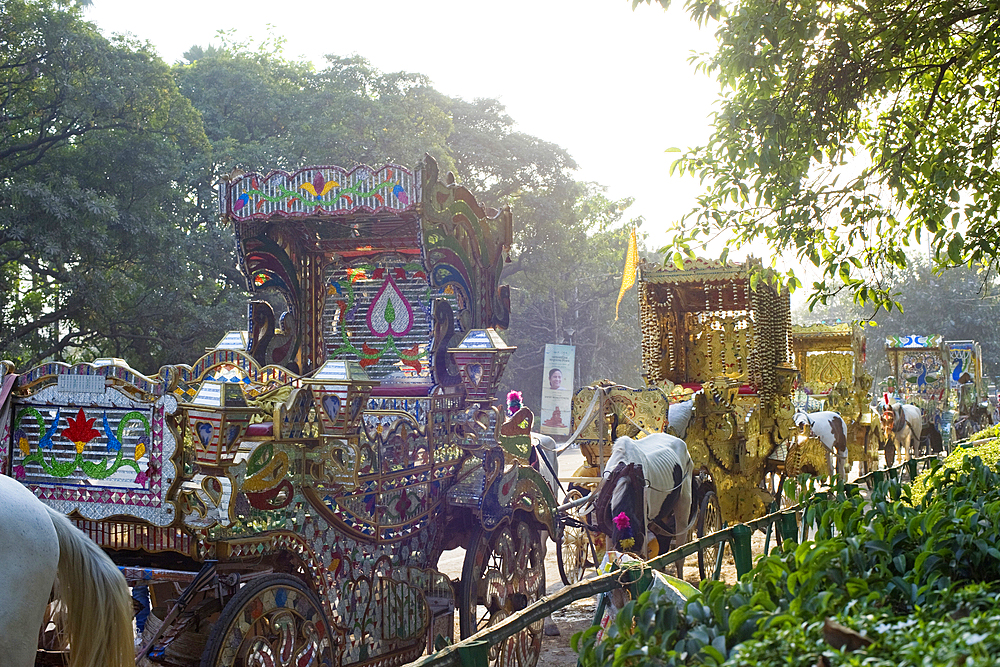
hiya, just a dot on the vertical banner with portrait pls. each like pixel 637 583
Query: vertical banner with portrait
pixel 557 389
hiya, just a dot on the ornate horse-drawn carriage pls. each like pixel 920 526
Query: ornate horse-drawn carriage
pixel 969 396
pixel 919 375
pixel 832 377
pixel 286 498
pixel 710 338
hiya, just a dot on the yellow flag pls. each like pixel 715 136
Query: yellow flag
pixel 628 273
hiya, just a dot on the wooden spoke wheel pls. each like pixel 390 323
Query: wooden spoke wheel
pixel 273 620
pixel 504 572
pixel 577 550
pixel 709 521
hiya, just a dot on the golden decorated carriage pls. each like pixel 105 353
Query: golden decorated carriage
pixel 830 359
pixel 722 331
pixel 714 334
pixel 289 494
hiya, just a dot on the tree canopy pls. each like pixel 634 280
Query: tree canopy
pixel 849 132
pixel 105 247
pixel 108 227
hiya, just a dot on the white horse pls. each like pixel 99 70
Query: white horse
pixel 655 472
pixel 902 424
pixel 831 430
pixel 545 459
pixel 38 543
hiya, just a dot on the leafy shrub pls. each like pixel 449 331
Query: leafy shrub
pixel 888 566
pixel 989 452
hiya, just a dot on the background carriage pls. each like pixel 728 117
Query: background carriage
pixel 289 494
pixel 970 399
pixel 918 374
pixel 830 359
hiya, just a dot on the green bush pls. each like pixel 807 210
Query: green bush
pixel 989 452
pixel 918 577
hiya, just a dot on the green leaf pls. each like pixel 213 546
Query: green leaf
pixel 955 246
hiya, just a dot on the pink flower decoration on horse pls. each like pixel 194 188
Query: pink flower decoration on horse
pixel 621 521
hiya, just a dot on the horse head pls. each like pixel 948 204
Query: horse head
pixel 887 416
pixel 803 421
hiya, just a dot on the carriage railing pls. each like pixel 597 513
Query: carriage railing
pixel 474 651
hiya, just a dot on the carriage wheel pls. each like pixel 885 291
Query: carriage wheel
pixel 576 549
pixel 272 620
pixel 504 572
pixel 709 521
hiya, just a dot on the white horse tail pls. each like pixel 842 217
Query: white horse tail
pixel 98 606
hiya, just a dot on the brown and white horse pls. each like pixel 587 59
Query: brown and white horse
pixel 649 481
pixel 831 430
pixel 37 544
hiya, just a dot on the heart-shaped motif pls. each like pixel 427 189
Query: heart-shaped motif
pixel 475 373
pixel 213 489
pixel 204 430
pixel 234 432
pixel 355 407
pixel 331 405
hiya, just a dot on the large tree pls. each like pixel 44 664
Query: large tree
pixel 263 111
pixel 568 253
pixel 107 244
pixel 848 131
pixel 564 284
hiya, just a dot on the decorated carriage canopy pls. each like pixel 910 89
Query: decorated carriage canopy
pixel 704 320
pixel 829 358
pixel 383 266
pixel 966 365
pixel 918 371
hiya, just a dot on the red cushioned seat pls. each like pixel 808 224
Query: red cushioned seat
pixel 262 430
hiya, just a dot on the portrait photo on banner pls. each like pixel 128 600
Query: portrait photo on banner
pixel 557 389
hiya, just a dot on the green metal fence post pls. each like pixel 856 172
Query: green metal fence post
pixel 741 549
pixel 912 466
pixel 878 476
pixel 474 653
pixel 789 527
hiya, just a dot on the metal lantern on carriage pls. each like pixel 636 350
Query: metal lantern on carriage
pixel 340 390
pixel 481 357
pixel 218 416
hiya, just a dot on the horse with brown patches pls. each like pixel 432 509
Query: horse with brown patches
pixel 647 486
pixel 831 430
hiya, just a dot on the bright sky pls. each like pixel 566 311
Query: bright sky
pixel 612 86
